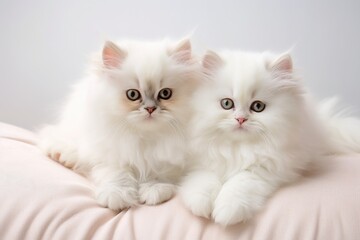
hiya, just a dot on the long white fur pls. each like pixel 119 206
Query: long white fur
pixel 234 170
pixel 130 158
pixel 342 128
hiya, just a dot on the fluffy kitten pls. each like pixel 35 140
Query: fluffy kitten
pixel 254 130
pixel 124 123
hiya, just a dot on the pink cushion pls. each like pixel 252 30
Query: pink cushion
pixel 41 199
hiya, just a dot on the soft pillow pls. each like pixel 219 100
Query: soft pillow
pixel 41 199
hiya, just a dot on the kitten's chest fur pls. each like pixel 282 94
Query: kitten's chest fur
pixel 143 151
pixel 228 159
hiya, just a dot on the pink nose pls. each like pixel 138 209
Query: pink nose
pixel 150 109
pixel 241 120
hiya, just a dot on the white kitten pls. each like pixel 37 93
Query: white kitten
pixel 254 130
pixel 124 123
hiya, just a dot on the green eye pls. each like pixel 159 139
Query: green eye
pixel 227 103
pixel 133 94
pixel 257 106
pixel 165 93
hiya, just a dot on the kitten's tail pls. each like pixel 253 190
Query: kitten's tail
pixel 341 129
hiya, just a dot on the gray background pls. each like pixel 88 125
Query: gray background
pixel 45 45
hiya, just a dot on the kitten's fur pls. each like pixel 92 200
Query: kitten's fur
pixel 236 167
pixel 133 155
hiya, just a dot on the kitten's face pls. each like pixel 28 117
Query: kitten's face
pixel 149 83
pixel 249 98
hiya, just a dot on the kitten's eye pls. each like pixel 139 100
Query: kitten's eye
pixel 133 94
pixel 165 93
pixel 257 106
pixel 227 103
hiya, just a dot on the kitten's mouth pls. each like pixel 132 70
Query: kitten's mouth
pixel 240 128
pixel 150 117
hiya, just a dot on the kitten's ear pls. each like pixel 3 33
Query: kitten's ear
pixel 282 64
pixel 211 61
pixel 182 51
pixel 112 55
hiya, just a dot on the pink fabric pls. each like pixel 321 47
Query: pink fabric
pixel 41 199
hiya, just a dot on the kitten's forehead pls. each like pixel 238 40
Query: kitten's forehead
pixel 150 66
pixel 146 59
pixel 244 73
pixel 150 63
pixel 149 87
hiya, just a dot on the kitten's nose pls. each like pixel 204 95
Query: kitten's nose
pixel 150 109
pixel 241 120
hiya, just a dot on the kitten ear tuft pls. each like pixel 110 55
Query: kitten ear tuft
pixel 182 51
pixel 211 61
pixel 112 55
pixel 283 63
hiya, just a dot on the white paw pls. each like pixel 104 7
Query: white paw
pixel 117 197
pixel 228 215
pixel 57 148
pixel 231 211
pixel 198 191
pixel 199 203
pixel 152 193
pixel 63 155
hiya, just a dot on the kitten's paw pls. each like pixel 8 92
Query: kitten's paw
pixel 58 150
pixel 117 197
pixel 198 191
pixel 231 211
pixel 199 203
pixel 64 156
pixel 152 193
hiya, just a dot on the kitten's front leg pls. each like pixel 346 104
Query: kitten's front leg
pixel 240 197
pixel 117 188
pixel 199 190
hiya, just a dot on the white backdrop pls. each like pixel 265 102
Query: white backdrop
pixel 44 45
